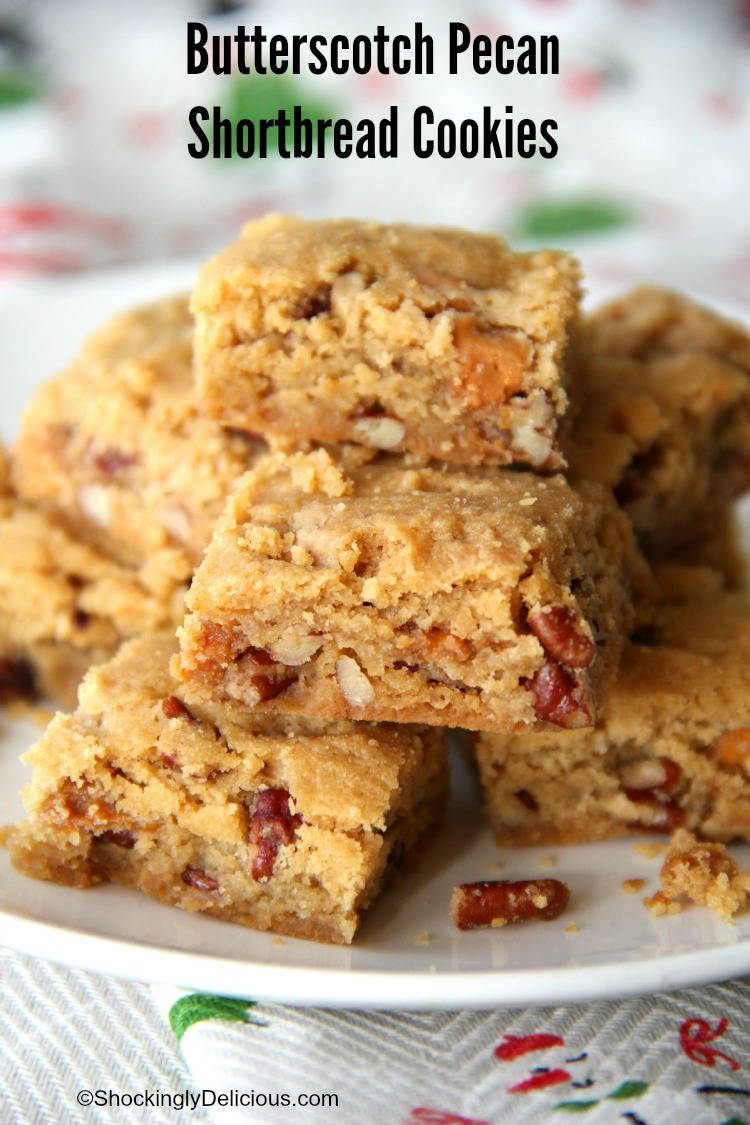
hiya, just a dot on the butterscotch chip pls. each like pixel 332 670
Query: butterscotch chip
pixel 492 362
pixel 440 342
pixel 732 748
pixel 276 823
pixel 374 589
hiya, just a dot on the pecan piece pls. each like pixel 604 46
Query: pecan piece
pixel 353 683
pixel 272 825
pixel 652 782
pixel 122 838
pixel 381 431
pixel 295 649
pixel 266 676
pixel 650 777
pixel 558 629
pixel 95 502
pixel 661 817
pixel 197 877
pixel 560 697
pixel 492 361
pixel 174 708
pixel 111 461
pixel 259 656
pixel 498 902
pixel 268 687
pixel 310 305
pixel 17 679
pixel 251 436
pixel 80 618
pixel 527 799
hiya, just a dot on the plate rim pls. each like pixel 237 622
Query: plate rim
pixel 409 991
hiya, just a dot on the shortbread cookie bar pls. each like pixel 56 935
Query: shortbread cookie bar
pixel 664 388
pixel 64 605
pixel 491 600
pixel 52 669
pixel 441 342
pixel 672 748
pixel 276 823
pixel 117 446
pixel 651 323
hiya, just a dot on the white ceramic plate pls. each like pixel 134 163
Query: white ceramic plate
pixel 407 954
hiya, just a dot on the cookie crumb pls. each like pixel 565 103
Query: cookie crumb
pixel 572 928
pixel 660 904
pixel 423 939
pixel 633 886
pixel 494 866
pixel 650 851
pixel 547 861
pixel 703 873
pixel 278 941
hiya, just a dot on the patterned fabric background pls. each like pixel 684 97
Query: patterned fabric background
pixel 651 100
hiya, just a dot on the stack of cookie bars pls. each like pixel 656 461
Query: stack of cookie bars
pixel 402 485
